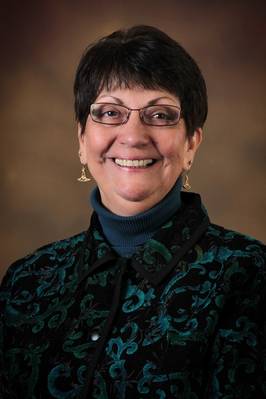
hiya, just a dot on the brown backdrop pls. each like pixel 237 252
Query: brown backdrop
pixel 41 200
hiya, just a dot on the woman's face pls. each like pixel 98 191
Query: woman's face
pixel 128 189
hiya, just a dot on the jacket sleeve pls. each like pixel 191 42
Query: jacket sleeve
pixel 238 355
pixel 5 294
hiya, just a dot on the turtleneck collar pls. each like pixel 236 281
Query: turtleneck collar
pixel 125 233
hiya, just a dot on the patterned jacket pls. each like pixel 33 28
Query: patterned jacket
pixel 184 317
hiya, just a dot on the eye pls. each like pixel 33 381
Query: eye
pixel 110 113
pixel 162 115
pixel 106 111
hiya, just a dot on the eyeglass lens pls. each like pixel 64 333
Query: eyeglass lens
pixel 115 114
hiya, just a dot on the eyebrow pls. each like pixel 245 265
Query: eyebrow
pixel 155 100
pixel 114 98
pixel 151 102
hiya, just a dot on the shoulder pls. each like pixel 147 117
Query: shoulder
pixel 236 243
pixel 241 257
pixel 229 242
pixel 43 261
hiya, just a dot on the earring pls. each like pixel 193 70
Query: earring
pixel 83 178
pixel 186 184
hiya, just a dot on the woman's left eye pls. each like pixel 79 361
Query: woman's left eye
pixel 160 115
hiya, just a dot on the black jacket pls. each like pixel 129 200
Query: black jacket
pixel 183 318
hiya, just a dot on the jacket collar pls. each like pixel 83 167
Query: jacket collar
pixel 159 255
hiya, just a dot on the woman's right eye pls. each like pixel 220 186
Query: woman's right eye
pixel 108 112
pixel 111 114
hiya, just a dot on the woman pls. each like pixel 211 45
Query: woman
pixel 153 301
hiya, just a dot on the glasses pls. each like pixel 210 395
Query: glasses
pixel 153 115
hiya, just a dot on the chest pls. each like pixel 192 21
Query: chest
pixel 120 333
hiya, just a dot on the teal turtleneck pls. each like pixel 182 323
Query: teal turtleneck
pixel 126 233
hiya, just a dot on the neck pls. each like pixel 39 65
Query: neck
pixel 125 233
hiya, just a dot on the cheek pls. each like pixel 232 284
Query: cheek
pixel 173 149
pixel 96 144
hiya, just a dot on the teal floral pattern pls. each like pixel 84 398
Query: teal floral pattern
pixel 183 318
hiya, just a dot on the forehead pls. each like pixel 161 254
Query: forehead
pixel 137 95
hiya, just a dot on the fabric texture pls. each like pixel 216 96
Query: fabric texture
pixel 184 317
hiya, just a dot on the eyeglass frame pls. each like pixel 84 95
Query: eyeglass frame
pixel 139 111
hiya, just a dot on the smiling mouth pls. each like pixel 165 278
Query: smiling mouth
pixel 134 163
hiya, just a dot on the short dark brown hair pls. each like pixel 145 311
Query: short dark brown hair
pixel 141 56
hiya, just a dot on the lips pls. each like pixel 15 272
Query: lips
pixel 134 163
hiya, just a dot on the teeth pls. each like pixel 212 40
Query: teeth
pixel 135 163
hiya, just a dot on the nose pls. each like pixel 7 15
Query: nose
pixel 134 133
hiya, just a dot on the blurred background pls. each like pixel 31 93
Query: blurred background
pixel 41 200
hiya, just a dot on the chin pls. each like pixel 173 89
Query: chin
pixel 147 197
pixel 135 195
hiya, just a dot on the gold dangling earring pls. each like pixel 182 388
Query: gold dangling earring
pixel 83 178
pixel 186 184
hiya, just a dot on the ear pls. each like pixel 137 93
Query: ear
pixel 82 146
pixel 193 143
